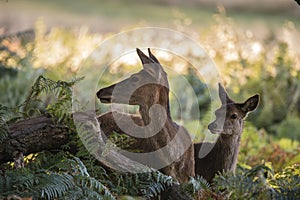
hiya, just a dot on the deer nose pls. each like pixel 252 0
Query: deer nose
pixel 212 126
pixel 99 93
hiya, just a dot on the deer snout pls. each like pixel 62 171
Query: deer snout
pixel 212 126
pixel 105 94
pixel 99 93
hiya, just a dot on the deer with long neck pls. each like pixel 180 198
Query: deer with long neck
pixel 223 154
pixel 149 89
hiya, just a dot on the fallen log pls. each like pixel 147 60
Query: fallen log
pixel 33 135
pixel 43 133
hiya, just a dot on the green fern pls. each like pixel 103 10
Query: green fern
pixel 52 185
pixel 259 182
pixel 242 185
pixel 90 187
pixel 147 185
pixel 153 183
pixel 122 141
pixel 195 185
pixel 61 109
pixel 66 179
pixel 39 184
pixel 286 183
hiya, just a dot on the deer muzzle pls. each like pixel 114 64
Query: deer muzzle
pixel 105 94
pixel 213 127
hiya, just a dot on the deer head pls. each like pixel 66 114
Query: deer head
pixel 229 117
pixel 143 88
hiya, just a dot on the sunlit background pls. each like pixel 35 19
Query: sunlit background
pixel 254 43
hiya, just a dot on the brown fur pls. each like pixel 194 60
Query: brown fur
pixel 148 88
pixel 229 124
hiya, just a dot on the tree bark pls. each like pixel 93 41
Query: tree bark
pixel 33 135
pixel 43 133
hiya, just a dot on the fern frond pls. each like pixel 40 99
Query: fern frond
pixel 196 184
pixel 40 184
pixel 67 179
pixel 62 89
pixel 257 170
pixel 245 184
pixel 53 185
pixel 122 141
pixel 286 183
pixel 155 183
pixel 92 188
pixel 5 113
pixel 81 167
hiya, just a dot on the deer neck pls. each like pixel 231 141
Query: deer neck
pixel 144 112
pixel 229 141
pixel 162 99
pixel 228 146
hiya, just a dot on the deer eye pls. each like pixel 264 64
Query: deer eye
pixel 134 79
pixel 233 116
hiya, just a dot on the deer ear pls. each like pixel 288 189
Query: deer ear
pixel 151 65
pixel 152 56
pixel 157 66
pixel 145 59
pixel 225 99
pixel 250 104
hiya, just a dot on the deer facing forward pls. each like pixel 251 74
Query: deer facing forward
pixel 223 154
pixel 169 143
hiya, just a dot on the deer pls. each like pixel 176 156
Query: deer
pixel 149 89
pixel 228 124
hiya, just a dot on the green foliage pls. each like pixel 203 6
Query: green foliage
pixel 201 91
pixel 258 147
pixel 152 184
pixel 15 88
pixel 64 179
pixel 15 52
pixel 42 184
pixel 16 73
pixel 64 176
pixel 277 106
pixel 286 183
pixel 62 108
pixel 196 185
pixel 247 185
pixel 147 185
pixel 122 141
pixel 259 182
pixel 61 52
pixel 188 106
pixel 289 128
